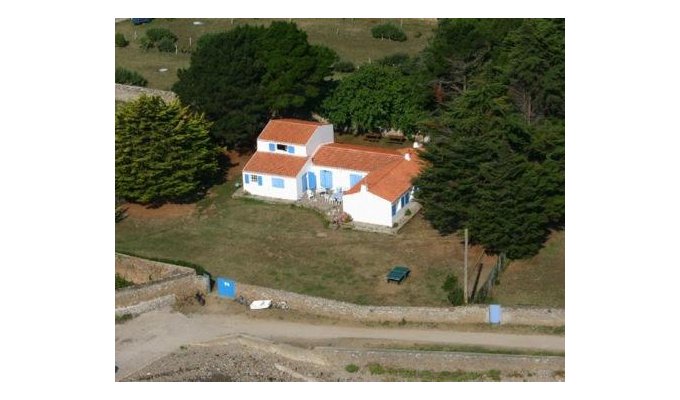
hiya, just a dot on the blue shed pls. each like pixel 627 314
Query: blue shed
pixel 495 314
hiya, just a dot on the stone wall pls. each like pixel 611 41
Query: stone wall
pixel 182 282
pixel 146 306
pixel 128 93
pixel 338 309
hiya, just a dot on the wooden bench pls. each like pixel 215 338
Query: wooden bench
pixel 373 137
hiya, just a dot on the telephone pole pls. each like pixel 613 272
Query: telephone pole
pixel 465 284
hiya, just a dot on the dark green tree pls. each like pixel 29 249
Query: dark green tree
pixel 388 31
pixel 375 97
pixel 121 41
pixel 128 77
pixel 163 152
pixel 245 76
pixel 493 174
pixel 454 291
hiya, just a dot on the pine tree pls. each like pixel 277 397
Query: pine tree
pixel 163 152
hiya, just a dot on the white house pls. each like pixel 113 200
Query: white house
pixel 294 156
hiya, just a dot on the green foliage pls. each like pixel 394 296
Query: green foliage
pixel 166 45
pixel 122 282
pixel 245 76
pixel 343 66
pixel 145 43
pixel 375 369
pixel 351 368
pixel 454 291
pixel 158 34
pixel 388 31
pixel 121 319
pixel 121 41
pixel 127 77
pixel 163 152
pixel 375 98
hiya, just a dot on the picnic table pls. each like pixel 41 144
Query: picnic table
pixel 372 137
pixel 398 274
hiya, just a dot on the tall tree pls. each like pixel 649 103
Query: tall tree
pixel 163 152
pixel 488 173
pixel 376 97
pixel 245 76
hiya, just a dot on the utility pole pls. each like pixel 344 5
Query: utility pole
pixel 465 284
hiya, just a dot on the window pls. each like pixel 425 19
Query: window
pixel 281 147
pixel 277 183
pixel 394 209
pixel 253 178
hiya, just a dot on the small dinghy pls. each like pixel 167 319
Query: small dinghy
pixel 260 304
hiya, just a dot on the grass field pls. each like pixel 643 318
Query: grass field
pixel 290 248
pixel 538 280
pixel 350 38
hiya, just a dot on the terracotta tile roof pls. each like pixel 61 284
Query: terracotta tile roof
pixel 275 164
pixel 354 157
pixel 392 180
pixel 295 131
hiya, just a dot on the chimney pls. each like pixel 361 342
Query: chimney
pixel 407 156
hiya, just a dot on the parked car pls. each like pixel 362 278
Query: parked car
pixel 398 274
pixel 139 21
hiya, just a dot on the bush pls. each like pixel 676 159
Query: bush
pixel 417 34
pixel 351 368
pixel 122 282
pixel 127 77
pixel 389 31
pixel 121 41
pixel 344 66
pixel 408 212
pixel 166 45
pixel 453 290
pixel 158 34
pixel 145 43
pixel 394 60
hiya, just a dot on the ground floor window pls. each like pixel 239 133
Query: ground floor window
pixel 277 183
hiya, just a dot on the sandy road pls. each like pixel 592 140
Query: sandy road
pixel 154 335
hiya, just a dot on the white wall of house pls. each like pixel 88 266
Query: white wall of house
pixel 368 208
pixel 290 190
pixel 340 177
pixel 324 134
pixel 263 147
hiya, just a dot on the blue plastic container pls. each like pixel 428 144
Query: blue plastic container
pixel 495 314
pixel 226 288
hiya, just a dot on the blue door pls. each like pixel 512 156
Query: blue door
pixel 304 182
pixel 226 288
pixel 326 179
pixel 312 180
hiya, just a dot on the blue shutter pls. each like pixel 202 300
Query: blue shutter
pixel 326 179
pixel 247 177
pixel 408 197
pixel 304 182
pixel 259 180
pixel 394 209
pixel 277 182
pixel 291 149
pixel 354 179
pixel 312 180
pixel 272 147
pixel 401 200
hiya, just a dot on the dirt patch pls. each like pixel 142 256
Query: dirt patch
pixel 165 211
pixel 237 162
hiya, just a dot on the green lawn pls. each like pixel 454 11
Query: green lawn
pixel 350 38
pixel 538 280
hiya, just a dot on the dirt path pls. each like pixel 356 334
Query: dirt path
pixel 157 334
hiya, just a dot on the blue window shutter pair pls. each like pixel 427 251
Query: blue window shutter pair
pixel 272 147
pixel 277 182
pixel 247 177
pixel 291 149
pixel 259 180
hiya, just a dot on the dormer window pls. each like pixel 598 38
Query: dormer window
pixel 282 147
pixel 276 147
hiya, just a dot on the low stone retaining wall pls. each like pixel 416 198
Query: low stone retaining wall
pixel 146 306
pixel 182 282
pixel 129 93
pixel 464 315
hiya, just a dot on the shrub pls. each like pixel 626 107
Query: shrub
pixel 408 212
pixel 351 368
pixel 122 282
pixel 158 34
pixel 394 60
pixel 389 31
pixel 166 45
pixel 121 41
pixel 417 34
pixel 376 369
pixel 454 292
pixel 145 43
pixel 127 77
pixel 344 66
